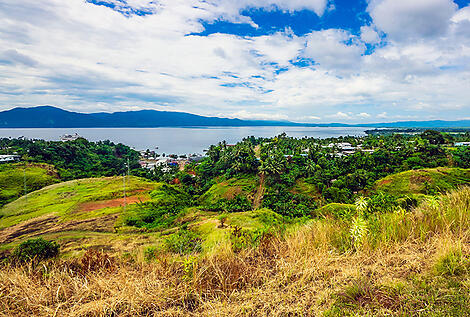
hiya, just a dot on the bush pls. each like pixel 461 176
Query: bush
pixel 184 242
pixel 36 250
pixel 241 238
pixel 452 263
pixel 288 204
pixel 238 204
pixel 382 203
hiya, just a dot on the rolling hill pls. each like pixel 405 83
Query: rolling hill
pixel 14 176
pixel 53 117
pixel 424 181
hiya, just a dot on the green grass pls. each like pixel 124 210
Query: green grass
pixel 338 211
pixel 214 235
pixel 12 178
pixel 424 181
pixel 229 189
pixel 66 199
pixel 422 296
pixel 303 187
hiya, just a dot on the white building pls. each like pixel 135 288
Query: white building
pixel 9 158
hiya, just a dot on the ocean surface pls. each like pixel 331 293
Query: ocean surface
pixel 180 140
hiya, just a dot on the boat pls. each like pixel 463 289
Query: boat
pixel 70 137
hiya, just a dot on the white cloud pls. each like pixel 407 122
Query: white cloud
pixel 369 35
pixel 402 19
pixel 85 57
pixel 341 115
pixel 382 115
pixel 330 49
pixel 243 114
pixel 318 6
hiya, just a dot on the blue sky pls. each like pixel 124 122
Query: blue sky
pixel 300 60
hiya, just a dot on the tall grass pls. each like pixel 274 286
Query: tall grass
pixel 409 263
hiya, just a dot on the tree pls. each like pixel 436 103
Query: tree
pixel 434 137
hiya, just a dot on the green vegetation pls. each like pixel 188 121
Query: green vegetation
pixel 424 181
pixel 184 242
pixel 243 185
pixel 274 226
pixel 387 263
pixel 76 200
pixel 166 205
pixel 339 211
pixel 36 250
pixel 76 159
pixel 14 176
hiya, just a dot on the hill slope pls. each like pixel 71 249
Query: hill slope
pixel 86 204
pixel 424 181
pixel 402 264
pixel 13 176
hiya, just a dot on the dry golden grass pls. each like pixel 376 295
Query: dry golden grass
pixel 409 264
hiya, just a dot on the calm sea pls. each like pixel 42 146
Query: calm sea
pixel 179 140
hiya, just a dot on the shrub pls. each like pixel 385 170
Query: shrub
pixel 238 204
pixel 242 239
pixel 36 250
pixel 184 242
pixel 288 204
pixel 382 203
pixel 452 263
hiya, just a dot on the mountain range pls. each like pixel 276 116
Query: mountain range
pixel 52 117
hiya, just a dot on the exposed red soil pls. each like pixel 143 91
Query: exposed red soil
pixel 95 205
pixel 385 182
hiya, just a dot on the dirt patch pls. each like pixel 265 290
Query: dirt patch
pixel 51 224
pixel 420 179
pixel 259 192
pixel 232 192
pixel 110 203
pixel 385 182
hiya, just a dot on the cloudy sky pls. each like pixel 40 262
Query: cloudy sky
pixel 299 60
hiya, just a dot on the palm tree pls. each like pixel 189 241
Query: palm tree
pixel 310 167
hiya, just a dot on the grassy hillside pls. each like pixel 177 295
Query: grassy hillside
pixel 244 186
pixel 338 211
pixel 80 211
pixel 424 181
pixel 399 264
pixel 12 177
pixel 77 199
pixel 90 213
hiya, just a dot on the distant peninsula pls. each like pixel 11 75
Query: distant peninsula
pixel 53 117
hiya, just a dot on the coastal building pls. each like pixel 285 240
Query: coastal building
pixel 462 144
pixel 9 158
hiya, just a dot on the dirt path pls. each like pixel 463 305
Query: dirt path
pixel 259 193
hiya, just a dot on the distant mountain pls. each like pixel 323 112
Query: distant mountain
pixel 52 117
pixel 421 124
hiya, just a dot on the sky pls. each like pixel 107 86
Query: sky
pixel 351 61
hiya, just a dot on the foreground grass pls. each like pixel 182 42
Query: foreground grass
pixel 404 264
